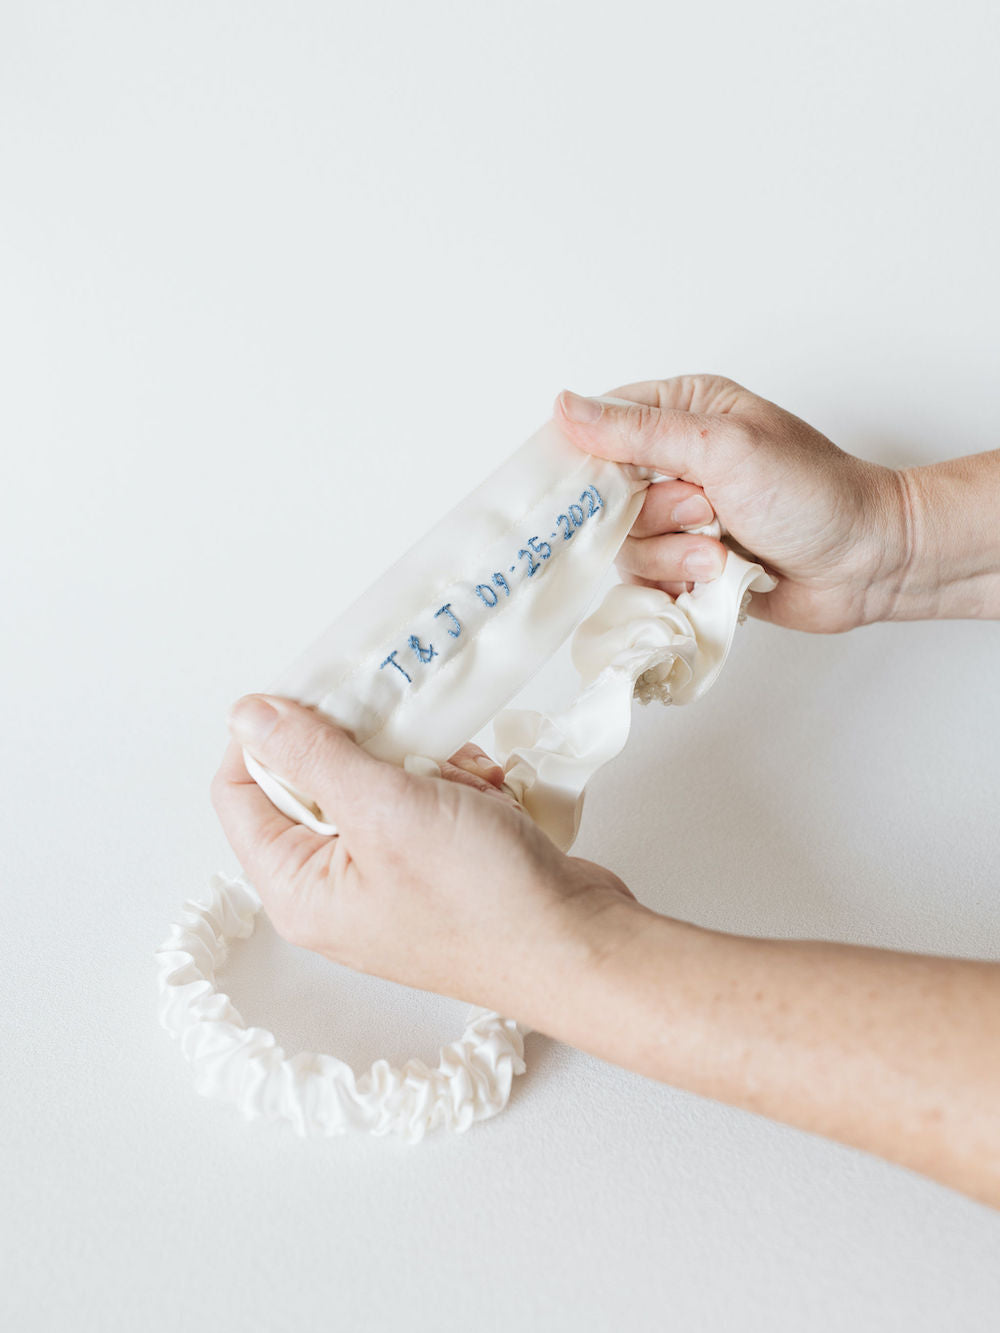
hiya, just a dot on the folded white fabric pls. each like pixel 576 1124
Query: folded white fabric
pixel 316 1094
pixel 419 664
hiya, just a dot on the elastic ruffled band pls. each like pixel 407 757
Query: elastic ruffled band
pixel 318 1095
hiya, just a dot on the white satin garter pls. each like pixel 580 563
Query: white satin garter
pixel 317 1094
pixel 419 664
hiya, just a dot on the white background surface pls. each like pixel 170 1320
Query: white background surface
pixel 280 283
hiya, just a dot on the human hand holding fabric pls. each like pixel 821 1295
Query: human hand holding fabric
pixel 439 883
pixel 443 883
pixel 851 542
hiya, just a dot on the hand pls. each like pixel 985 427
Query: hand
pixel 831 527
pixel 444 884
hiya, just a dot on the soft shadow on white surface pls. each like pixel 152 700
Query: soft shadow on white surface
pixel 826 788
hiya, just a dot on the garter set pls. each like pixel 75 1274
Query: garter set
pixel 424 659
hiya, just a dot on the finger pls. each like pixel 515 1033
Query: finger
pixel 317 758
pixel 686 393
pixel 671 589
pixel 260 835
pixel 472 767
pixel 692 446
pixel 477 763
pixel 674 557
pixel 672 506
pixel 492 790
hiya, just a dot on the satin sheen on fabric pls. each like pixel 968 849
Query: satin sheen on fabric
pixel 318 1095
pixel 429 654
pixel 412 708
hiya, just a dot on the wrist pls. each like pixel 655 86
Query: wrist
pixel 577 948
pixel 597 988
pixel 890 522
pixel 948 541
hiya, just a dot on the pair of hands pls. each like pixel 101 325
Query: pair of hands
pixel 445 884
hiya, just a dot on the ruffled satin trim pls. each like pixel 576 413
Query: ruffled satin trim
pixel 639 643
pixel 318 1095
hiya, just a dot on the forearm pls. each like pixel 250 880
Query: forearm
pixel 897 1054
pixel 951 563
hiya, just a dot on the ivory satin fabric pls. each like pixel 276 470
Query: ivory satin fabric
pixel 490 642
pixel 429 654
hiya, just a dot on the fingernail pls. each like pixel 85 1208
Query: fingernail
pixel 252 719
pixel 486 765
pixel 693 512
pixel 584 410
pixel 704 564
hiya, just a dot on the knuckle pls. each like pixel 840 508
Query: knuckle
pixel 693 390
pixel 641 419
pixel 726 394
pixel 712 393
pixel 303 748
pixel 642 425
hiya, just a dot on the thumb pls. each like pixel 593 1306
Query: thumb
pixel 316 758
pixel 670 440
